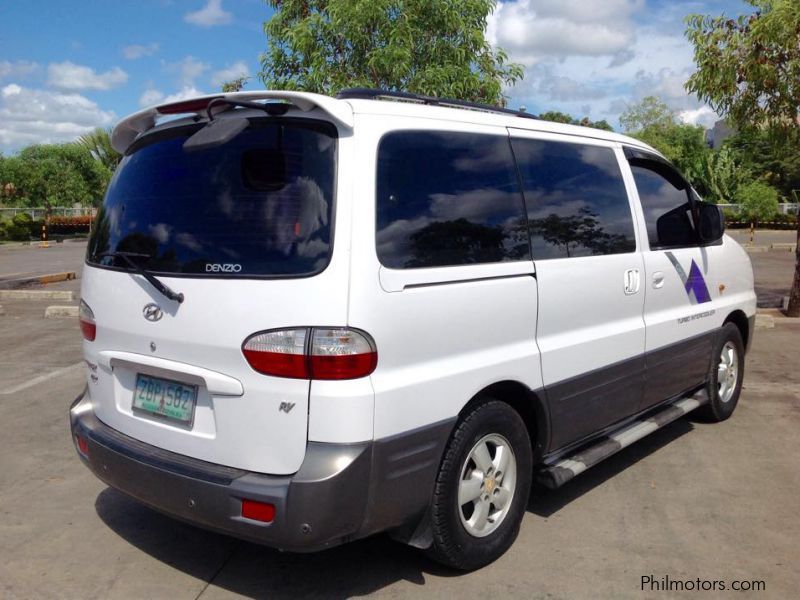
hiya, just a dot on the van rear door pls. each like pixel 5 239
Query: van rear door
pixel 244 231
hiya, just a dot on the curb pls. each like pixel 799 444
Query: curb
pixel 765 321
pixel 784 247
pixel 756 249
pixel 55 312
pixel 10 284
pixel 37 295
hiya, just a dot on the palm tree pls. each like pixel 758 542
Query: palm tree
pixel 98 143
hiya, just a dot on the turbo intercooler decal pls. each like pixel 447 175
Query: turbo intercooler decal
pixel 694 283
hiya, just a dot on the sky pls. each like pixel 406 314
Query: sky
pixel 68 66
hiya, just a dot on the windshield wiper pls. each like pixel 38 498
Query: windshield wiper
pixel 160 286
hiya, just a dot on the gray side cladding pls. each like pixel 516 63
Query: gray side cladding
pixel 404 469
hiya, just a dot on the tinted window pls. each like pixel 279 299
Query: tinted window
pixel 576 199
pixel 258 205
pixel 666 207
pixel 448 199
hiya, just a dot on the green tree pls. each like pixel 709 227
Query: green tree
pixel 559 117
pixel 777 164
pixel 722 173
pixel 757 202
pixel 54 175
pixel 234 85
pixel 652 122
pixel 431 47
pixel 650 112
pixel 748 69
pixel 98 143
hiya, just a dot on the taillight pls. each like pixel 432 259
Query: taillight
pixel 86 320
pixel 312 353
pixel 281 353
pixel 341 354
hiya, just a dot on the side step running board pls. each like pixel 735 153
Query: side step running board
pixel 559 473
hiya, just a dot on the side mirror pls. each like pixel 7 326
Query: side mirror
pixel 711 223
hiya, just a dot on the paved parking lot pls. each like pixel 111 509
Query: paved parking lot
pixel 694 500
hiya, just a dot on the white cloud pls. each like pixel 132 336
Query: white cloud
pixel 18 68
pixel 187 70
pixel 69 76
pixel 32 116
pixel 704 116
pixel 531 30
pixel 566 89
pixel 229 73
pixel 150 97
pixel 210 15
pixel 184 93
pixel 135 51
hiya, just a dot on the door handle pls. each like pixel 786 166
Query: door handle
pixel 658 280
pixel 631 281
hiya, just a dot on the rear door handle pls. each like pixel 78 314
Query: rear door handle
pixel 631 281
pixel 658 280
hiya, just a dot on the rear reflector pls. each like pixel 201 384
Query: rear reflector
pixel 258 511
pixel 83 446
pixel 86 321
pixel 332 353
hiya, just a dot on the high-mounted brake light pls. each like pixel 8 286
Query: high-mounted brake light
pixel 329 353
pixel 87 323
pixel 189 106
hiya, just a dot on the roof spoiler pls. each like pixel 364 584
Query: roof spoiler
pixel 129 128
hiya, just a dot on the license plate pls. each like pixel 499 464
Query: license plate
pixel 165 399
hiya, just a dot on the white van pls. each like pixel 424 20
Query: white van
pixel 307 320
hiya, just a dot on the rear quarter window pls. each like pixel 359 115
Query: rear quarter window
pixel 447 199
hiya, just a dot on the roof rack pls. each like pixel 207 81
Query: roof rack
pixel 378 94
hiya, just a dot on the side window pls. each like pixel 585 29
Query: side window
pixel 576 198
pixel 665 204
pixel 446 198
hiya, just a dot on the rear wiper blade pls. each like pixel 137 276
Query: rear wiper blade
pixel 159 285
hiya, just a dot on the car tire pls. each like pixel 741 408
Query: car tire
pixel 725 376
pixel 489 457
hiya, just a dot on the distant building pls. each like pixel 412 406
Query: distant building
pixel 718 134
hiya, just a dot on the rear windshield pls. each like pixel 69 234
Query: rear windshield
pixel 259 205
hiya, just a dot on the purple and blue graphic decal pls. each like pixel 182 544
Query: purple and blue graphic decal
pixel 694 282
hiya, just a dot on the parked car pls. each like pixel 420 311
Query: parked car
pixel 310 319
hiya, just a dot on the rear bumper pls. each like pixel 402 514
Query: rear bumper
pixel 341 492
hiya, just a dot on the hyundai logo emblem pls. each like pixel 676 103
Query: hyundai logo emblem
pixel 152 312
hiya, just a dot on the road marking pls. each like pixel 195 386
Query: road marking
pixel 40 379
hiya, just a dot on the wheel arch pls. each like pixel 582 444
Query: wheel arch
pixel 738 318
pixel 527 403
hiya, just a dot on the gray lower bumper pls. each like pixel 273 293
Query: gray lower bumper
pixel 342 491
